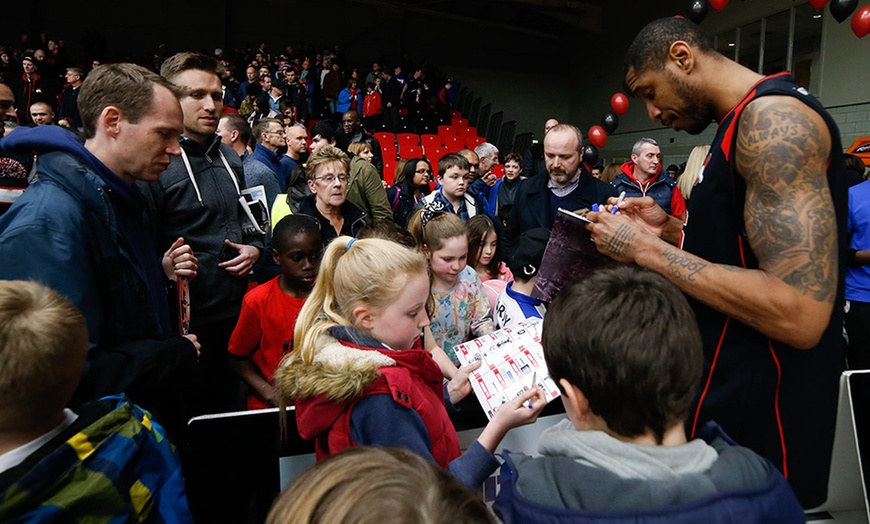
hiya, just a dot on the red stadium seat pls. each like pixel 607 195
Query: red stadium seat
pixel 389 170
pixel 458 121
pixel 389 152
pixel 476 141
pixel 385 138
pixel 407 139
pixel 454 144
pixel 498 170
pixel 410 151
pixel 445 132
pixel 430 141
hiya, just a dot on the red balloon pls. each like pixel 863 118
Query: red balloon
pixel 718 5
pixel 861 22
pixel 619 103
pixel 818 4
pixel 597 136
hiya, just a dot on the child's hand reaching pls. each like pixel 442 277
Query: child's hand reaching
pixel 459 387
pixel 518 412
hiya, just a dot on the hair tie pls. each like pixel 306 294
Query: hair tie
pixel 350 243
pixel 431 210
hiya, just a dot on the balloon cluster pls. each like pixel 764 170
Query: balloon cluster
pixel 840 10
pixel 609 122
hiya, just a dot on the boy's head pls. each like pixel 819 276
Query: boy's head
pixel 627 339
pixel 43 346
pixel 513 166
pixel 297 246
pixel 526 261
pixel 451 175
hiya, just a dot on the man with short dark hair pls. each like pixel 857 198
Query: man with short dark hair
pixel 391 93
pixel 41 114
pixel 643 176
pixel 263 167
pixel 235 132
pixel 198 198
pixel 78 229
pixel 761 252
pixel 569 185
pixel 353 130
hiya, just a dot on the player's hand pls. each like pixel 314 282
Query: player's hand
pixel 642 210
pixel 241 265
pixel 459 386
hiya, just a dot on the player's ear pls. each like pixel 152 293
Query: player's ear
pixel 682 54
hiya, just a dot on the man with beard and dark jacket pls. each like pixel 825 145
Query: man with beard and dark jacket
pixel 197 197
pixel 569 185
pixel 78 229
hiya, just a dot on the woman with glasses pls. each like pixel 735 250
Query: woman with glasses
pixel 410 185
pixel 327 172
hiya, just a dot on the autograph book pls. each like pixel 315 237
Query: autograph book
pixel 511 358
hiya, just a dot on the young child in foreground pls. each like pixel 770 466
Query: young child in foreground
pixel 624 348
pixel 264 332
pixel 359 376
pixel 109 462
pixel 389 485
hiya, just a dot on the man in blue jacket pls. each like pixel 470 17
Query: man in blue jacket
pixel 78 230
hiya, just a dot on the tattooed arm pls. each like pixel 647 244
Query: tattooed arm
pixel 782 150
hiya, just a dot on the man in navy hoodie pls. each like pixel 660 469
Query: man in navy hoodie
pixel 78 229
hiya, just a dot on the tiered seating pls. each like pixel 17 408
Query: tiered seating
pixel 450 139
pixel 385 138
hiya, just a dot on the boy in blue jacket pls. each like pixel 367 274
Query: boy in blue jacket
pixel 623 345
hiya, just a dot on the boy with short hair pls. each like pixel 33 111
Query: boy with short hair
pixel 108 462
pixel 452 170
pixel 515 303
pixel 623 345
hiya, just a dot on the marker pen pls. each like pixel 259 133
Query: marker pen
pixel 618 201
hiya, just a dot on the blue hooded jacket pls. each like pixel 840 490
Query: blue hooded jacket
pixel 78 229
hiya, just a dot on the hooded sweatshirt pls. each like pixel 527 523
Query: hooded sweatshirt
pixel 596 476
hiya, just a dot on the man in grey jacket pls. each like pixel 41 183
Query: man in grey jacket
pixel 197 198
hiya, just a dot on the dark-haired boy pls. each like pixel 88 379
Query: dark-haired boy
pixel 452 193
pixel 627 393
pixel 515 303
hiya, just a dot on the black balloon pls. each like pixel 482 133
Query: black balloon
pixel 590 154
pixel 697 10
pixel 841 9
pixel 610 121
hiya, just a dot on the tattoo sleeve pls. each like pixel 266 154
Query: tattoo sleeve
pixel 782 149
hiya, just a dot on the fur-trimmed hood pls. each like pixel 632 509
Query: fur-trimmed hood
pixel 350 365
pixel 338 373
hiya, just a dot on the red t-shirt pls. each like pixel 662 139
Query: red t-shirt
pixel 264 332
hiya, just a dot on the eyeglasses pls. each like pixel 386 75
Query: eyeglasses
pixel 330 179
